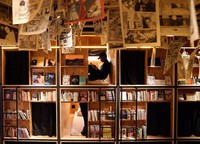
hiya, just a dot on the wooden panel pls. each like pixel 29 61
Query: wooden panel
pixel 113 57
pixel 65 112
pixel 89 41
pixel 74 107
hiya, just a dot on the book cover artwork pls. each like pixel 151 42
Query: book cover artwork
pixel 38 77
pixel 49 78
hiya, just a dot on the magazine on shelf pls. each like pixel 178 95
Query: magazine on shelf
pixel 74 80
pixel 49 79
pixel 66 79
pixel 38 77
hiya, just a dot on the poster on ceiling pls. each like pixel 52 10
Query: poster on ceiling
pixel 174 17
pixel 24 11
pixel 40 23
pixel 84 10
pixel 140 22
pixel 66 40
pixel 114 26
pixel 172 54
pixel 8 32
pixel 30 33
pixel 28 42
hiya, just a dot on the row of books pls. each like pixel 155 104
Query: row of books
pixel 126 114
pixel 93 115
pixel 153 95
pixel 13 132
pixel 10 95
pixel 151 80
pixel 12 114
pixel 132 132
pixel 190 96
pixel 94 131
pixel 105 131
pixel 125 132
pixel 23 133
pixel 73 80
pixel 195 80
pixel 28 96
pixel 44 96
pixel 39 77
pixel 128 133
pixel 86 96
pixel 130 114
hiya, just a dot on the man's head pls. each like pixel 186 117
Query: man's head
pixel 102 56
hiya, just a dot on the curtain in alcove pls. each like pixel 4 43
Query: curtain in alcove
pixel 44 119
pixel 132 67
pixel 158 119
pixel 16 67
pixel 189 119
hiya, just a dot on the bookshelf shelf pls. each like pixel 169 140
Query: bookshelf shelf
pixel 42 101
pixel 10 119
pixel 75 66
pixel 42 67
pixel 102 122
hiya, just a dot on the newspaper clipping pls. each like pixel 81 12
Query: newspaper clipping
pixel 39 24
pixel 25 10
pixel 8 32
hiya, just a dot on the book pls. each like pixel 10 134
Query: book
pixel 130 132
pixel 161 95
pixel 124 96
pixel 34 61
pixel 74 60
pixel 102 96
pixel 123 132
pixel 83 96
pixel 49 79
pixel 107 131
pixel 94 131
pixel 151 80
pixel 34 96
pixel 123 114
pixel 82 80
pixel 144 132
pixel 74 80
pixel 8 130
pixel 38 77
pixel 109 95
pixel 139 133
pixel 111 115
pixel 8 95
pixel 92 96
pixel 168 80
pixel 66 80
pixel 75 96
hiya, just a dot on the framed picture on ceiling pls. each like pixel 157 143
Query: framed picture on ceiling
pixel 28 42
pixel 175 17
pixel 114 26
pixel 82 11
pixel 140 22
